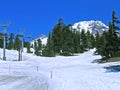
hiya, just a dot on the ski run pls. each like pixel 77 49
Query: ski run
pixel 56 73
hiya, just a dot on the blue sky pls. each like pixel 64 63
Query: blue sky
pixel 38 17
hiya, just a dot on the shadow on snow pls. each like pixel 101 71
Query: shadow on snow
pixel 114 68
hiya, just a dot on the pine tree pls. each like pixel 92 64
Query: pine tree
pixel 17 45
pixel 89 40
pixel 27 45
pixel 1 43
pixel 39 48
pixel 67 45
pixel 35 47
pixel 76 46
pixel 97 37
pixel 11 42
pixel 92 41
pixel 48 51
pixel 101 45
pixel 108 45
pixel 57 36
pixel 83 41
pixel 113 40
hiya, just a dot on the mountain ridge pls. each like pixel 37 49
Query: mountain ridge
pixel 93 26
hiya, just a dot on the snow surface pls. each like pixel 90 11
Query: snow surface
pixel 56 73
pixel 43 39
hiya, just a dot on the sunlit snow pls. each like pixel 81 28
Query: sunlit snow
pixel 56 73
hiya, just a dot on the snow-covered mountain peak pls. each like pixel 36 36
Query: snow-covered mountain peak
pixel 42 36
pixel 43 39
pixel 92 25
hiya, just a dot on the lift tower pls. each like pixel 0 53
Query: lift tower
pixel 4 39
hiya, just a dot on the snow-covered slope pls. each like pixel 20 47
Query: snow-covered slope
pixel 92 26
pixel 56 73
pixel 43 39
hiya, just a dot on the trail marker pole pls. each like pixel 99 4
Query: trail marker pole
pixel 37 68
pixel 51 75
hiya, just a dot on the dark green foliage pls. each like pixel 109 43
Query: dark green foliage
pixel 27 45
pixel 83 41
pixel 11 42
pixel 38 47
pixel 113 40
pixel 108 44
pixel 89 40
pixel 63 39
pixel 48 50
pixel 39 44
pixel 35 47
pixel 92 41
pixel 17 45
pixel 101 45
pixel 76 46
pixel 6 38
pixel 113 43
pixel 97 41
pixel 67 42
pixel 1 43
pixel 57 35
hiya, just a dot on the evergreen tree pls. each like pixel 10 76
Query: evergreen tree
pixel 115 21
pixel 83 41
pixel 6 38
pixel 57 36
pixel 113 40
pixel 1 43
pixel 35 47
pixel 97 37
pixel 49 48
pixel 17 45
pixel 101 45
pixel 67 45
pixel 92 41
pixel 11 42
pixel 27 45
pixel 39 48
pixel 39 44
pixel 89 40
pixel 113 43
pixel 108 45
pixel 76 35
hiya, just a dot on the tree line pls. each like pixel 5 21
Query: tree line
pixel 13 42
pixel 63 40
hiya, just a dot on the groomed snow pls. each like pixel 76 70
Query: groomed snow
pixel 56 73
